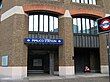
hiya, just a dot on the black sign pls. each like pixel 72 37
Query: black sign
pixel 104 24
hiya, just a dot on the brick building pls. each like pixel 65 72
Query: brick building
pixel 52 36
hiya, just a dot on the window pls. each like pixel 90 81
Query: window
pixel 43 23
pixel 79 25
pixel 31 23
pixel 85 1
pixel 85 26
pixel 1 5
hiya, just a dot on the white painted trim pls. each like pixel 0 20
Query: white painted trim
pixel 104 69
pixel 12 11
pixel 67 14
pixel 13 72
pixel 106 15
pixel 66 70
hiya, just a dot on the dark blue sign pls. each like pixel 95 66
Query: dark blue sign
pixel 43 41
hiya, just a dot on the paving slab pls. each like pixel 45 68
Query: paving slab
pixel 49 78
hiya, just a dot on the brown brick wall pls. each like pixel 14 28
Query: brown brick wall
pixel 106 4
pixel 13 31
pixel 75 8
pixel 99 2
pixel 55 6
pixel 13 25
pixel 8 4
pixel 85 9
pixel 103 50
pixel 50 7
pixel 66 51
pixel 6 38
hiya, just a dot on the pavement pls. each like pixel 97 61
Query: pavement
pixel 89 77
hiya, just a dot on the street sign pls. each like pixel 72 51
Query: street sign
pixel 104 24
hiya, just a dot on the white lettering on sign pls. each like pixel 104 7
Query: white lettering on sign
pixel 44 41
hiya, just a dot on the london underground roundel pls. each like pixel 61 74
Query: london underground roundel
pixel 104 24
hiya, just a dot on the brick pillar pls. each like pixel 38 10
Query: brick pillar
pixel 66 51
pixel 103 54
pixel 14 30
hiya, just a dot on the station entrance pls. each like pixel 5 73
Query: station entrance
pixel 42 59
pixel 87 57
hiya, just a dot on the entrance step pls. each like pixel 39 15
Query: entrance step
pixel 35 71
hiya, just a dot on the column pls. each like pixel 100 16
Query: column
pixel 66 51
pixel 103 54
pixel 51 64
pixel 14 30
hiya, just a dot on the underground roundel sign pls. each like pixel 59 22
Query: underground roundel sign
pixel 104 24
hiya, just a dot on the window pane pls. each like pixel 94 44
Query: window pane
pixel 31 23
pixel 78 1
pixel 46 23
pixel 95 25
pixel 92 26
pixel 83 25
pixel 79 24
pixel 51 24
pixel 73 0
pixel 55 24
pixel 90 2
pixel 87 26
pixel 35 22
pixel 75 26
pixel 86 1
pixel 1 5
pixel 82 1
pixel 41 23
pixel 94 2
pixel 92 23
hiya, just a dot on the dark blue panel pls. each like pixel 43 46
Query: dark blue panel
pixel 43 41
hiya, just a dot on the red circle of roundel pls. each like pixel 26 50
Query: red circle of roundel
pixel 103 24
